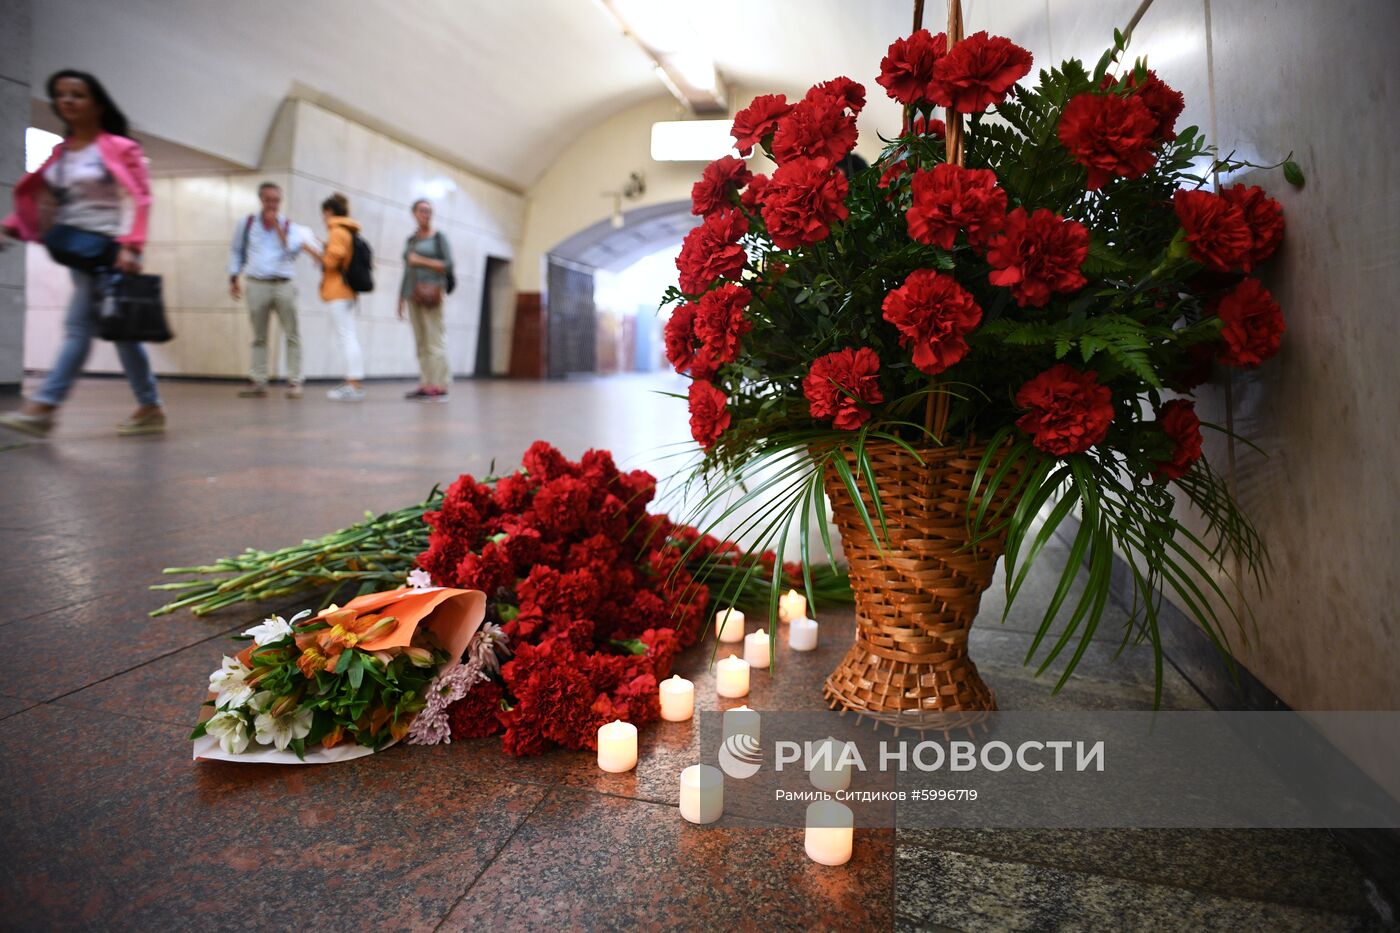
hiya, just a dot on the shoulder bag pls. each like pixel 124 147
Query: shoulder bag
pixel 131 309
pixel 73 246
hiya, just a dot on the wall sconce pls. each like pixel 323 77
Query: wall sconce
pixel 632 189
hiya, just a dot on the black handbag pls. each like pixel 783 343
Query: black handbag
pixel 131 309
pixel 81 249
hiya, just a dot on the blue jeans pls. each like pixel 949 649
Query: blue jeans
pixel 77 341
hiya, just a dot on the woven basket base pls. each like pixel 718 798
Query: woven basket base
pixel 917 596
pixel 863 682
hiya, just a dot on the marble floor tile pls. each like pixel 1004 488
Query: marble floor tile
pixel 1302 868
pixel 118 830
pixel 585 861
pixel 973 894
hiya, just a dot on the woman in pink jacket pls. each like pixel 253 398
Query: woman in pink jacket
pixel 86 183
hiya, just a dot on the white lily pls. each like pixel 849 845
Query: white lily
pixel 420 579
pixel 281 730
pixel 269 630
pixel 230 729
pixel 230 683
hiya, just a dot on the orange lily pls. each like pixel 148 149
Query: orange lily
pixel 334 737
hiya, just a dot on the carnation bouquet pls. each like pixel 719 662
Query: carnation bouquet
pixel 1034 277
pixel 585 598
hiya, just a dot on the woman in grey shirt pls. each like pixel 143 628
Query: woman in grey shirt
pixel 427 264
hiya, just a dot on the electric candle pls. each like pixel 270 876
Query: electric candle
pixel 830 826
pixel 617 746
pixel 792 605
pixel 729 625
pixel 830 772
pixel 802 634
pixel 732 677
pixel 756 649
pixel 741 720
pixel 702 794
pixel 677 699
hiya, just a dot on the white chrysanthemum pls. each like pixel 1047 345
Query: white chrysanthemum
pixel 420 579
pixel 488 646
pixel 230 684
pixel 230 729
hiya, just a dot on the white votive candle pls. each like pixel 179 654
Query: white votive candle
pixel 741 720
pixel 756 649
pixel 729 625
pixel 702 793
pixel 732 677
pixel 831 769
pixel 617 746
pixel 677 699
pixel 792 605
pixel 830 827
pixel 802 634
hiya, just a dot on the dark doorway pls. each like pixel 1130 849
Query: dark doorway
pixel 570 333
pixel 495 291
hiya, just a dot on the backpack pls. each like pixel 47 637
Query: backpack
pixel 449 275
pixel 359 268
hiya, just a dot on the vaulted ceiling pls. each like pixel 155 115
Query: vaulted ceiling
pixel 500 86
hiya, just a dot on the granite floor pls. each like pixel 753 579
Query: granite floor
pixel 108 825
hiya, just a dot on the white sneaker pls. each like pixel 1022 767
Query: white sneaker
pixel 346 393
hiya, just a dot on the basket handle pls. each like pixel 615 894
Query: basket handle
pixel 936 406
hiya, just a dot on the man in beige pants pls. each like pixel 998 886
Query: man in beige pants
pixel 264 250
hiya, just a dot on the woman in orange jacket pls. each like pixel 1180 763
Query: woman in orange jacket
pixel 339 297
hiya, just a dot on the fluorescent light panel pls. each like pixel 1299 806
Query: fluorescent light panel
pixel 691 140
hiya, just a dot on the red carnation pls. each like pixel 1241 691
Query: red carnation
pixel 1109 135
pixel 757 120
pixel 711 251
pixel 720 321
pixel 933 313
pixel 1178 421
pixel 801 201
pixel 845 91
pixel 1215 228
pixel 1253 324
pixel 1036 254
pixel 544 462
pixel 709 413
pixel 923 126
pixel 952 198
pixel 1163 101
pixel 1069 411
pixel 817 128
pixel 752 198
pixel 1264 218
pixel 721 178
pixel 892 173
pixel 978 72
pixel 840 385
pixel 907 70
pixel 680 337
pixel 475 716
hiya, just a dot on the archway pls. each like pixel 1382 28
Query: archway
pixel 580 336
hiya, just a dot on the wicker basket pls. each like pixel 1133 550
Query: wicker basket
pixel 915 600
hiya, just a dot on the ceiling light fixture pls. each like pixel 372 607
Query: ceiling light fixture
pixel 691 140
pixel 665 35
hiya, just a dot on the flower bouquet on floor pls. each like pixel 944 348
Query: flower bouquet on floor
pixel 568 604
pixel 340 684
pixel 996 326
